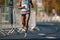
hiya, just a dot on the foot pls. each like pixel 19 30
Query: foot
pixel 25 35
pixel 23 29
pixel 35 28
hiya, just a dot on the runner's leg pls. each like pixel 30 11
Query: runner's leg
pixel 27 21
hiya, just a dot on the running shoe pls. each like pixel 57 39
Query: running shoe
pixel 25 35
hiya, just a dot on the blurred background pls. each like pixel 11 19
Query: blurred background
pixel 47 8
pixel 45 15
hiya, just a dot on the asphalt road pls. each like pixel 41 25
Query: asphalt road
pixel 47 30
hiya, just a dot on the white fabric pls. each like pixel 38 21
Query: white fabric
pixel 26 5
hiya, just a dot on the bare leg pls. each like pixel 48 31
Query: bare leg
pixel 23 21
pixel 23 18
pixel 27 21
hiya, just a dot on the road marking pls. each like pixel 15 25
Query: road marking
pixel 50 37
pixel 41 34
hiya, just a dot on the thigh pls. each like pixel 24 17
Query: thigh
pixel 23 18
pixel 23 15
pixel 27 17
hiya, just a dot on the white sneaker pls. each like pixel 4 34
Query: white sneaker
pixel 25 35
pixel 22 29
pixel 36 28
